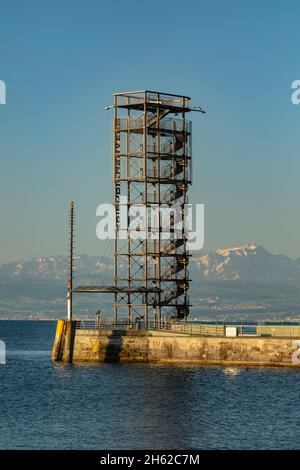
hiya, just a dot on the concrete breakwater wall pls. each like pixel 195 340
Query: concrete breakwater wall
pixel 73 345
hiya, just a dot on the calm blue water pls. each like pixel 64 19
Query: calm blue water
pixel 47 406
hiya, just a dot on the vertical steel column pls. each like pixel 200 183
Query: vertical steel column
pixel 115 206
pixel 128 183
pixel 146 208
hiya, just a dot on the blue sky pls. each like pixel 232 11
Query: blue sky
pixel 62 60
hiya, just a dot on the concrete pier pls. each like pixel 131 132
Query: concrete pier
pixel 73 345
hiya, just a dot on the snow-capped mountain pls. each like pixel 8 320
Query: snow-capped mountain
pixel 56 267
pixel 249 262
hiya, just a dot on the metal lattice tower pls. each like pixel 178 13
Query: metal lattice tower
pixel 151 168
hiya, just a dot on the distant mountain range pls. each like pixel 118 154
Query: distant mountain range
pixel 56 267
pixel 249 262
pixel 245 282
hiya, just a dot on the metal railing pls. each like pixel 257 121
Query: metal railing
pixel 174 327
pixel 100 325
pixel 199 328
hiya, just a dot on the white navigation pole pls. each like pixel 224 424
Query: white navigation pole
pixel 71 259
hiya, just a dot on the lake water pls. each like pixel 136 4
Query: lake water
pixel 139 406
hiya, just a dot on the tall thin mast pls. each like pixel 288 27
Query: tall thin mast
pixel 71 259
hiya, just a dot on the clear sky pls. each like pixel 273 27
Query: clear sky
pixel 62 60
